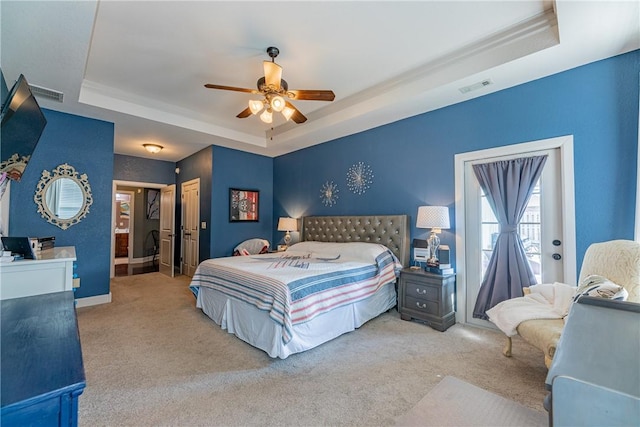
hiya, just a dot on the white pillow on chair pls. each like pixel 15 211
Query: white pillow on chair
pixel 252 247
pixel 598 286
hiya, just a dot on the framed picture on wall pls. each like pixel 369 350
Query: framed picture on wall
pixel 153 204
pixel 243 205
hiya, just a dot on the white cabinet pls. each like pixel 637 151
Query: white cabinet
pixel 52 271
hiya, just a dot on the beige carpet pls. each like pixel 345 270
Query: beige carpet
pixel 152 358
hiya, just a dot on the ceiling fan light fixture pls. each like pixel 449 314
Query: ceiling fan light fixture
pixel 255 106
pixel 287 112
pixel 275 91
pixel 153 148
pixel 267 116
pixel 277 103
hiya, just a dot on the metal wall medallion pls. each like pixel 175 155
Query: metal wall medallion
pixel 329 193
pixel 359 178
pixel 63 196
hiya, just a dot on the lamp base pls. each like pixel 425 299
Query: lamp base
pixel 434 242
pixel 287 238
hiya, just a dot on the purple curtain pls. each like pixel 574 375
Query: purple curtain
pixel 508 186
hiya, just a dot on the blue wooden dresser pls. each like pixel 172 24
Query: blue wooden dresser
pixel 41 361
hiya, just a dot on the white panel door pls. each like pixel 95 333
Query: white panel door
pixel 190 226
pixel 167 229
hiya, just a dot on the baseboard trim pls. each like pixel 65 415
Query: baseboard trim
pixel 95 300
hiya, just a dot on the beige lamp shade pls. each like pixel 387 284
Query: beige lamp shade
pixel 287 224
pixel 434 217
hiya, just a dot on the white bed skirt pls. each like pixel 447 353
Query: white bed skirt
pixel 258 329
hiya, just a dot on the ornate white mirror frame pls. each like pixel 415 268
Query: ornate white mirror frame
pixel 48 192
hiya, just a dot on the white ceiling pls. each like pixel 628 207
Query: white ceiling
pixel 142 64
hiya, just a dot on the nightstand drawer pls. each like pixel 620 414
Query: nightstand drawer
pixel 422 305
pixel 423 292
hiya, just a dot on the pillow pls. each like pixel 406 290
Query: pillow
pixel 598 286
pixel 367 252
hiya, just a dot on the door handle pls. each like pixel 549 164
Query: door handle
pixel 557 257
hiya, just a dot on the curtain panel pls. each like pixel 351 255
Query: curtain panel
pixel 508 185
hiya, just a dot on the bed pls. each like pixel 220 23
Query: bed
pixel 341 275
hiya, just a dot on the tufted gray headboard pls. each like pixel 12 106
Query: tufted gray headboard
pixel 389 230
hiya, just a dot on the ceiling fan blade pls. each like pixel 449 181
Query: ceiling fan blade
pixel 237 89
pixel 244 113
pixel 313 95
pixel 297 116
pixel 272 74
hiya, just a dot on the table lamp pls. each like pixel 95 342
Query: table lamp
pixel 436 218
pixel 287 224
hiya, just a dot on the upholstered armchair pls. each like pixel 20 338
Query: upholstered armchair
pixel 616 260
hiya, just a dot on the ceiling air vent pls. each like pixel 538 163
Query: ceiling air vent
pixel 467 89
pixel 43 92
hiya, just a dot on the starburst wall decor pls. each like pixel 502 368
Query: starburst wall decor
pixel 359 178
pixel 329 193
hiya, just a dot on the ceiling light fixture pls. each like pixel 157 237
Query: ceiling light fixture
pixel 287 112
pixel 271 104
pixel 277 103
pixel 267 116
pixel 153 148
pixel 255 106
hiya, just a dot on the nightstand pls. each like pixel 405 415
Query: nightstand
pixel 427 297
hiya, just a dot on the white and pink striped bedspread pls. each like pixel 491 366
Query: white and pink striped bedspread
pixel 297 285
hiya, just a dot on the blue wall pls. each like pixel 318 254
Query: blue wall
pixel 87 145
pixel 198 165
pixel 237 169
pixel 220 169
pixel 138 169
pixel 4 89
pixel 413 159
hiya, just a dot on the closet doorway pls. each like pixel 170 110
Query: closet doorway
pixel 135 234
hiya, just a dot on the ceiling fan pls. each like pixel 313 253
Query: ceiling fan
pixel 275 92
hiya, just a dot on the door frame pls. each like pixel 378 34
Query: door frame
pixel 565 146
pixel 114 185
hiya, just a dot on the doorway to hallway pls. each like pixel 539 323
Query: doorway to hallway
pixel 136 221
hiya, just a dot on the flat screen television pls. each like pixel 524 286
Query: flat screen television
pixel 22 126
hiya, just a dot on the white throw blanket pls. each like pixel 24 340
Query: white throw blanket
pixel 546 301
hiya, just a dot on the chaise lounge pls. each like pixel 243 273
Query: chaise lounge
pixel 616 260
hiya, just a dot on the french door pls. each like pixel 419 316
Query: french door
pixel 550 248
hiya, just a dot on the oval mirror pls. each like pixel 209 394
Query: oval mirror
pixel 63 197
